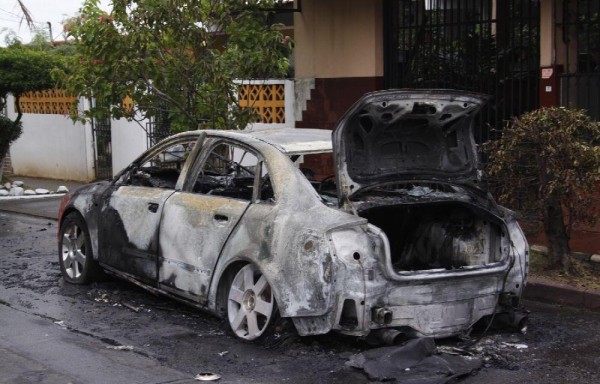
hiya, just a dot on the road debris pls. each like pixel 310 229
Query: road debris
pixel 130 306
pixel 513 345
pixel 212 332
pixel 207 376
pixel 223 353
pixel 120 347
pixel 417 361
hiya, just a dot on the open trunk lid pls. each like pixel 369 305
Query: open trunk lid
pixel 403 135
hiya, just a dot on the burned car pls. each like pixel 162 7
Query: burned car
pixel 402 239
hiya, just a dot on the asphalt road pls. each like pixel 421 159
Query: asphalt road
pixel 111 331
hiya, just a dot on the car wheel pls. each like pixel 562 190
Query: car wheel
pixel 76 260
pixel 251 307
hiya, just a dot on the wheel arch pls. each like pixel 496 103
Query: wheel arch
pixel 224 281
pixel 92 231
pixel 90 269
pixel 224 275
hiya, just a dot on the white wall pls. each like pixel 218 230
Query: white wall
pixel 51 146
pixel 128 142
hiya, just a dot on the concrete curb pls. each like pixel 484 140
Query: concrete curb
pixel 31 197
pixel 548 291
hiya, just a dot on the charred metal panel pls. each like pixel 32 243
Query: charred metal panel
pixel 130 222
pixel 193 231
pixel 286 240
pixel 87 201
pixel 407 135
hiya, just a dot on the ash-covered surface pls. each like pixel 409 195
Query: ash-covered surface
pixel 562 344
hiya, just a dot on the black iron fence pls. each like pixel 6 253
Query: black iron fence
pixel 103 143
pixel 484 46
pixel 158 128
pixel 577 46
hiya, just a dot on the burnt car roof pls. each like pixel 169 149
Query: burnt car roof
pixel 290 141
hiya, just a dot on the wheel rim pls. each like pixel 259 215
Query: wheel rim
pixel 250 303
pixel 73 251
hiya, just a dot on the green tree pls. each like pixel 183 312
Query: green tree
pixel 547 163
pixel 174 57
pixel 21 70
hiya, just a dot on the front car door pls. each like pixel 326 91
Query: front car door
pixel 198 221
pixel 132 210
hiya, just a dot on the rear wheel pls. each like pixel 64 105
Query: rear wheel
pixel 76 259
pixel 251 308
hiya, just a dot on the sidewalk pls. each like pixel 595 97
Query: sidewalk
pixel 541 289
pixel 49 184
pixel 37 205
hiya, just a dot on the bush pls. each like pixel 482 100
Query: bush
pixel 547 164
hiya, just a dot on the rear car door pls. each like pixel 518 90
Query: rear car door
pixel 198 221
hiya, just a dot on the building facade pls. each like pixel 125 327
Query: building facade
pixel 524 53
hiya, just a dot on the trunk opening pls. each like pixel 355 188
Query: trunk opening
pixel 441 235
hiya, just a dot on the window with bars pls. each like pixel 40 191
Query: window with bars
pixel 577 46
pixel 484 46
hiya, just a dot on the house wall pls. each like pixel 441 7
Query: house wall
pixel 51 146
pixel 547 33
pixel 338 58
pixel 339 49
pixel 129 140
pixel 339 39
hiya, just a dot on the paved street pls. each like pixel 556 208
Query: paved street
pixel 54 332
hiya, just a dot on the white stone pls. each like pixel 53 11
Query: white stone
pixel 62 189
pixel 29 192
pixel 3 192
pixel 595 258
pixel 42 191
pixel 16 191
pixel 18 183
pixel 8 186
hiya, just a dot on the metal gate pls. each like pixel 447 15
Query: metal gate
pixel 577 45
pixel 486 46
pixel 158 128
pixel 103 157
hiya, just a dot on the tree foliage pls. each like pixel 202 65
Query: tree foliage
pixel 547 164
pixel 178 57
pixel 21 70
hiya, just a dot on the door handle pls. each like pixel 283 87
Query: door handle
pixel 153 207
pixel 221 219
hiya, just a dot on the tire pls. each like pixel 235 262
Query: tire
pixel 75 254
pixel 251 306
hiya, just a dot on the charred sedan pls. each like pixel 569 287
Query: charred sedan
pixel 401 238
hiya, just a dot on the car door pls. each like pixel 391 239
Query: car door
pixel 132 210
pixel 196 223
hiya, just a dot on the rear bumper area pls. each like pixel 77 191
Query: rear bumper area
pixel 437 308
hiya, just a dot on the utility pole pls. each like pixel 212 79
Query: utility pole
pixel 50 30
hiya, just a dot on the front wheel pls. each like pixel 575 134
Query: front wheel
pixel 251 307
pixel 76 260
